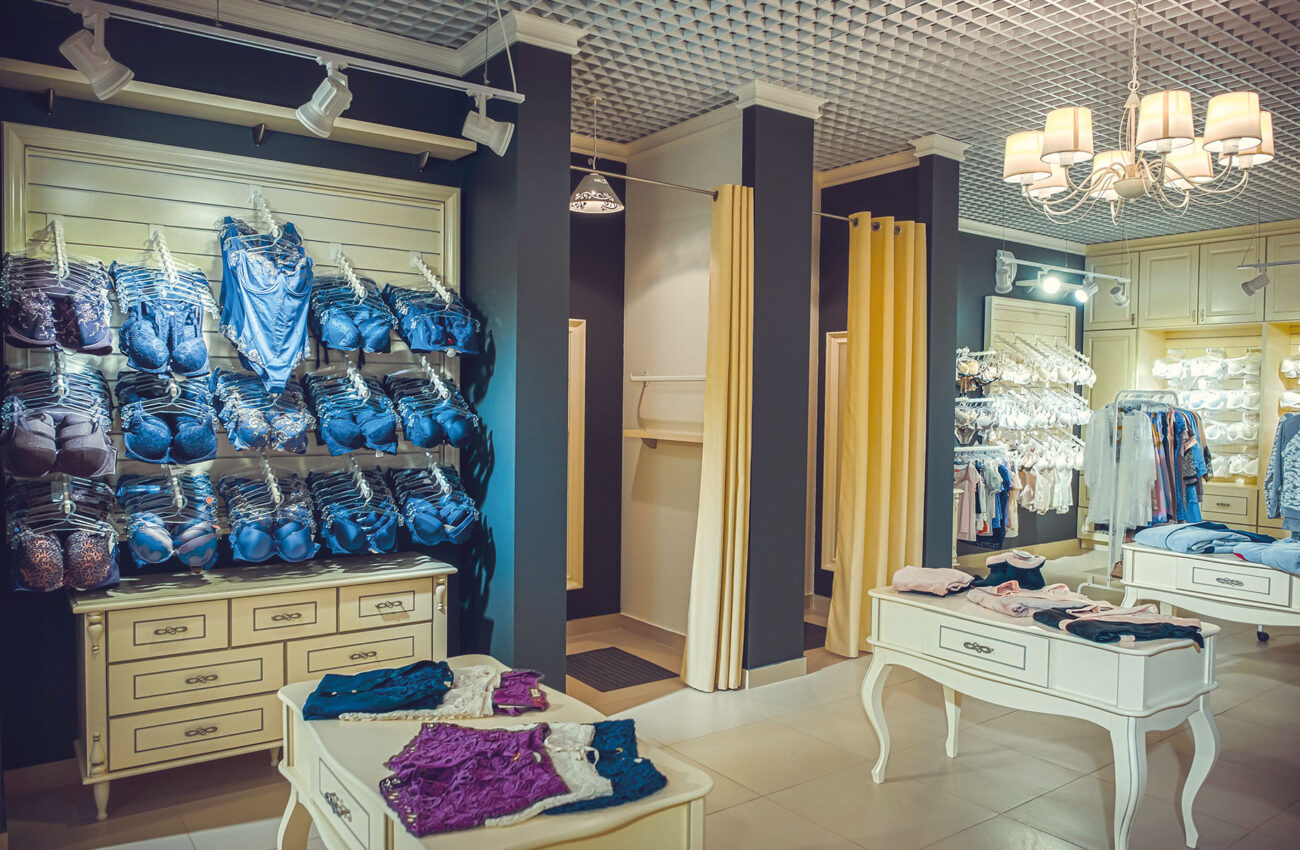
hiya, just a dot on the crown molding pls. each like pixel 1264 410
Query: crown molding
pixel 519 29
pixel 867 168
pixel 1024 237
pixel 700 124
pixel 1284 227
pixel 937 145
pixel 759 93
pixel 617 151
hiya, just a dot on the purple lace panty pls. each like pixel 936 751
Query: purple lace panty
pixel 518 693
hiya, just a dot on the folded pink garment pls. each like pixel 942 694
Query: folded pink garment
pixel 1148 613
pixel 938 581
pixel 1008 598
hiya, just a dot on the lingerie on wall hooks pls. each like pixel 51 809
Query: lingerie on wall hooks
pixel 270 516
pixel 166 420
pixel 348 312
pixel 356 508
pixel 435 319
pixel 431 406
pixel 53 299
pixel 61 534
pixel 57 420
pixel 172 515
pixel 254 418
pixel 435 506
pixel 352 410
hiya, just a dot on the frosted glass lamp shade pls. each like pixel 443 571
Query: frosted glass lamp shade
pixel 1067 139
pixel 1049 186
pixel 595 195
pixel 1165 122
pixel 105 74
pixel 1194 165
pixel 1232 122
pixel 1023 162
pixel 331 97
pixel 1260 153
pixel 1107 168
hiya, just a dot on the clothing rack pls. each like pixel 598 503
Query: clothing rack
pixel 435 282
pixel 647 379
pixel 972 452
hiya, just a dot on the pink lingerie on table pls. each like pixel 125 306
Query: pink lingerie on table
pixel 1008 598
pixel 938 581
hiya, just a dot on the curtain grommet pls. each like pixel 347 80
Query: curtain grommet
pixel 875 225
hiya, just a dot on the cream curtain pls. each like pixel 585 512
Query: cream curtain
pixel 880 504
pixel 715 629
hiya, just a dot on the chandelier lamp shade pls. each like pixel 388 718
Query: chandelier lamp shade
pixel 1158 153
pixel 594 195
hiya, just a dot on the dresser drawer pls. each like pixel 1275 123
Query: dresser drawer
pixel 1005 652
pixel 179 733
pixel 188 679
pixel 344 810
pixel 1230 505
pixel 166 630
pixel 392 603
pixel 282 616
pixel 352 653
pixel 1252 584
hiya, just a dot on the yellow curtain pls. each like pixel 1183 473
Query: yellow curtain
pixel 880 504
pixel 715 629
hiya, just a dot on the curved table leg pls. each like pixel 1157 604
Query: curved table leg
pixel 1205 737
pixel 1130 598
pixel 295 824
pixel 1129 742
pixel 951 710
pixel 873 687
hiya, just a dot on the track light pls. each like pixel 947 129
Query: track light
pixel 487 131
pixel 1081 295
pixel 327 103
pixel 1256 283
pixel 1119 294
pixel 1049 283
pixel 1004 277
pixel 1086 290
pixel 85 50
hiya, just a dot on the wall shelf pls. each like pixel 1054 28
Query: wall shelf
pixel 651 437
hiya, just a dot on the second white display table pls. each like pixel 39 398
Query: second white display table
pixel 1020 664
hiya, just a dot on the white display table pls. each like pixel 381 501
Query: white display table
pixel 1020 664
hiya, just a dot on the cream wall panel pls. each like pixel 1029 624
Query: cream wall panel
pixel 1282 297
pixel 1167 296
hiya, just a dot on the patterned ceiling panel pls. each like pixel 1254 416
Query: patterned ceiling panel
pixel 894 70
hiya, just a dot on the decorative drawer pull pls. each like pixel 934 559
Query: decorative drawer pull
pixel 978 647
pixel 370 653
pixel 1229 581
pixel 336 806
pixel 287 615
pixel 392 603
pixel 200 731
pixel 1223 504
pixel 172 630
pixel 201 679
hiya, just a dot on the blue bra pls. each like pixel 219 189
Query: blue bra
pixel 257 540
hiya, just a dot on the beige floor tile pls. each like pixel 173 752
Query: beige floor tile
pixel 1260 841
pixel 726 792
pixel 1275 709
pixel 1284 825
pixel 844 724
pixel 985 773
pixel 767 756
pixel 763 824
pixel 893 815
pixel 1253 746
pixel 1226 697
pixel 688 713
pixel 1077 744
pixel 1238 795
pixel 1263 670
pixel 246 835
pixel 1002 833
pixel 1082 813
pixel 818 688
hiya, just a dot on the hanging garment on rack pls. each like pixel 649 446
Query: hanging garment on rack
pixel 434 504
pixel 164 309
pixel 433 410
pixel 1282 480
pixel 57 420
pixel 61 534
pixel 257 419
pixel 165 420
pixel 265 292
pixel 48 304
pixel 347 317
pixel 357 511
pixel 172 515
pixel 352 412
pixel 429 322
pixel 967 479
pixel 267 523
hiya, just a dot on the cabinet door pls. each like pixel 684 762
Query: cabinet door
pixel 1223 301
pixel 1282 296
pixel 1167 296
pixel 1100 313
pixel 1113 355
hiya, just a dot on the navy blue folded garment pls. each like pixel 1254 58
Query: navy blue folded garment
pixel 631 776
pixel 1197 538
pixel 421 685
pixel 1103 631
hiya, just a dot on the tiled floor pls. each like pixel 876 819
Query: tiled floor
pixel 791 767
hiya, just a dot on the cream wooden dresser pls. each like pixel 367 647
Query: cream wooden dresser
pixel 179 669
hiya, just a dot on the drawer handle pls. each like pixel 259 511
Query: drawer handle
pixel 199 731
pixel 337 807
pixel 1229 581
pixel 392 603
pixel 172 630
pixel 370 653
pixel 1223 504
pixel 201 679
pixel 287 615
pixel 978 647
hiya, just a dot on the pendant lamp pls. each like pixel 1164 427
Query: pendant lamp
pixel 594 194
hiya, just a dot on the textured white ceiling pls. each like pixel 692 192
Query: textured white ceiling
pixel 894 70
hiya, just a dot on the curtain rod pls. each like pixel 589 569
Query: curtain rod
pixel 710 192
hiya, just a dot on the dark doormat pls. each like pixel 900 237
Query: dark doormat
pixel 814 636
pixel 611 668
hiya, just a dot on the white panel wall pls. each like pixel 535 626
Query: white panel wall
pixel 665 318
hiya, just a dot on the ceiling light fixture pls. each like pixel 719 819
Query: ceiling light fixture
pixel 487 131
pixel 1049 283
pixel 594 194
pixel 328 102
pixel 85 50
pixel 1004 274
pixel 1049 280
pixel 1119 294
pixel 1158 153
pixel 1256 283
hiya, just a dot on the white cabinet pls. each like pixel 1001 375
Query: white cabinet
pixel 1167 296
pixel 1113 356
pixel 1282 296
pixel 1222 299
pixel 1100 313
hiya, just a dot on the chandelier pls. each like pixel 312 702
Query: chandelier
pixel 1158 153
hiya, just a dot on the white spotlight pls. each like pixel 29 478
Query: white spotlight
pixel 85 50
pixel 1004 276
pixel 1051 284
pixel 327 103
pixel 1081 295
pixel 1256 283
pixel 1119 294
pixel 487 131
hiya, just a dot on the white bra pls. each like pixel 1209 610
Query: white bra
pixel 1247 465
pixel 1291 398
pixel 1291 367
